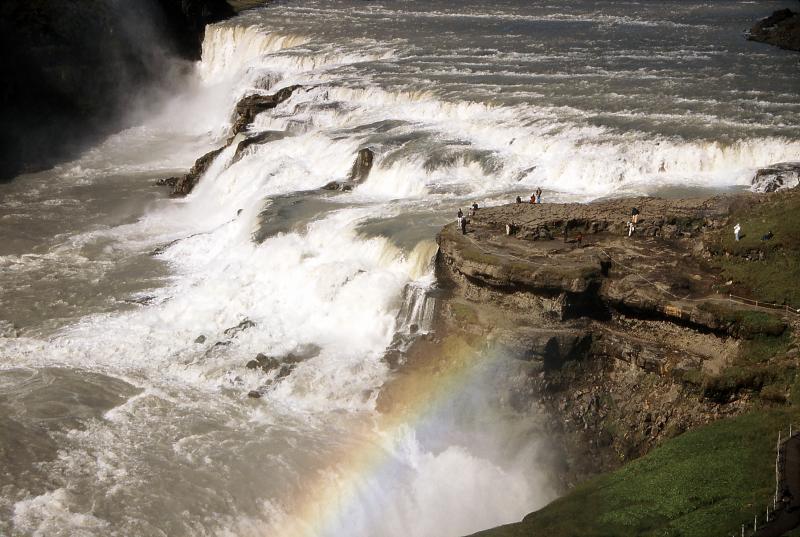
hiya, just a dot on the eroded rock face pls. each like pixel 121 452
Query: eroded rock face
pixel 605 338
pixel 75 66
pixel 249 107
pixel 779 176
pixel 781 29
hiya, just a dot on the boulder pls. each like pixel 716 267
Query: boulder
pixel 781 176
pixel 362 166
pixel 781 29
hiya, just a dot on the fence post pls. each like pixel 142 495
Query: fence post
pixel 777 472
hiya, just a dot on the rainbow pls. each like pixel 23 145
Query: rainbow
pixel 406 402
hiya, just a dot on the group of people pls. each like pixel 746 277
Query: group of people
pixel 737 233
pixel 462 221
pixel 536 197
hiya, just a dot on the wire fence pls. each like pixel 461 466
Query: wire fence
pixel 761 304
pixel 780 515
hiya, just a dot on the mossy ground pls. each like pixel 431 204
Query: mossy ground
pixel 705 482
pixel 765 270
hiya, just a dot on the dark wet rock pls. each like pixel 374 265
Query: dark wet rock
pixel 362 166
pixel 779 176
pixel 200 339
pixel 73 69
pixel 186 183
pixel 235 330
pixel 283 364
pixel 253 394
pixel 258 139
pixel 781 29
pixel 168 181
pixel 250 106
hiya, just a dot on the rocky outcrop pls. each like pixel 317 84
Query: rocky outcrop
pixel 619 341
pixel 358 173
pixel 258 139
pixel 249 107
pixel 781 29
pixel 187 20
pixel 362 166
pixel 245 112
pixel 72 69
pixel 777 177
pixel 184 184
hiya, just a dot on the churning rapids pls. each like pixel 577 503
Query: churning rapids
pixel 118 418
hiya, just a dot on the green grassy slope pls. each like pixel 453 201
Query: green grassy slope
pixel 705 482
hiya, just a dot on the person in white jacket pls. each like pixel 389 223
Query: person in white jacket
pixel 736 230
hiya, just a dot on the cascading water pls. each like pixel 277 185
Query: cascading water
pixel 131 325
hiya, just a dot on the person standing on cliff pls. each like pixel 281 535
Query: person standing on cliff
pixel 737 229
pixel 635 216
pixel 538 195
pixel 460 214
pixel 463 223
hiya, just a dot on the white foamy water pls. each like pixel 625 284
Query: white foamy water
pixel 136 315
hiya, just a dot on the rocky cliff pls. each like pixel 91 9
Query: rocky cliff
pixel 619 341
pixel 72 69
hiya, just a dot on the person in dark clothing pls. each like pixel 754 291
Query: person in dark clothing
pixel 460 214
pixel 767 236
pixel 463 226
pixel 635 216
pixel 519 200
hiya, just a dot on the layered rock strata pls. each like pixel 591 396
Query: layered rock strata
pixel 603 334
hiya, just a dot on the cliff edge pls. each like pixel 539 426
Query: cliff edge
pixel 622 343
